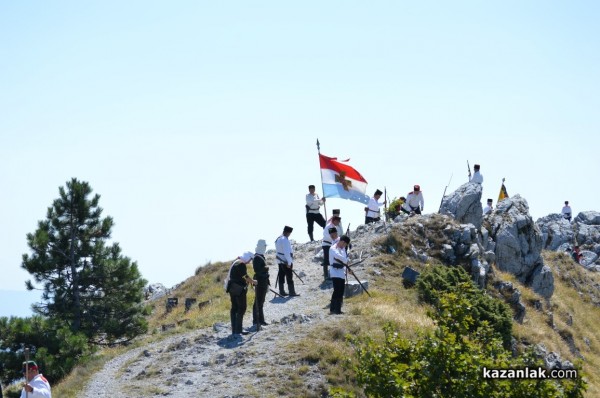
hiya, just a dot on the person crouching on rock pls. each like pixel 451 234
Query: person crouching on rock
pixel 237 289
pixel 338 260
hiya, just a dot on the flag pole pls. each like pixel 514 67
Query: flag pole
pixel 322 189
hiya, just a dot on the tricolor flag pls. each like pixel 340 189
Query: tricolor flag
pixel 503 194
pixel 342 181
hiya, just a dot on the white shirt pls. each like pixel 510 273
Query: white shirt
pixel 327 240
pixel 41 388
pixel 313 202
pixel 487 209
pixel 285 254
pixel 477 178
pixel 374 206
pixel 413 200
pixel 566 210
pixel 337 254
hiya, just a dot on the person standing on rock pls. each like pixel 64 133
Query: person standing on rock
pixel 330 237
pixel 313 214
pixel 415 203
pixel 261 275
pixel 489 208
pixel 373 211
pixel 477 178
pixel 338 260
pixel 566 211
pixel 285 259
pixel 237 287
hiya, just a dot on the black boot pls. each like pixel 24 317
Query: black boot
pixel 233 323
pixel 326 272
pixel 239 320
pixel 338 308
pixel 281 291
pixel 332 306
pixel 292 290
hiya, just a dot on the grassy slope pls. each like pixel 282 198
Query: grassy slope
pixel 391 302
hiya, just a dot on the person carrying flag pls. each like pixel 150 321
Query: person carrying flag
pixel 373 211
pixel 313 213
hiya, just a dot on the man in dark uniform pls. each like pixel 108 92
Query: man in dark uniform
pixel 237 289
pixel 285 259
pixel 261 275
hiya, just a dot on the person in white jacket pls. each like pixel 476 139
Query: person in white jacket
pixel 414 201
pixel 373 211
pixel 37 386
pixel 566 211
pixel 477 178
pixel 338 260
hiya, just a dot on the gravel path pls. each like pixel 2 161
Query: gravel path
pixel 212 363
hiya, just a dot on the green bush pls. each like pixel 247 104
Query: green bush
pixel 437 281
pixel 449 362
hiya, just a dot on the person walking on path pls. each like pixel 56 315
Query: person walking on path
pixel 285 259
pixel 237 287
pixel 313 212
pixel 261 275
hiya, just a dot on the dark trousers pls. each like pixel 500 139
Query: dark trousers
pixel 416 209
pixel 260 292
pixel 286 275
pixel 337 297
pixel 238 309
pixel 326 261
pixel 311 219
pixel 369 220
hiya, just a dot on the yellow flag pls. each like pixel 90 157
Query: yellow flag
pixel 503 194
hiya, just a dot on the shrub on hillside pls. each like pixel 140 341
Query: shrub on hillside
pixel 438 281
pixel 450 361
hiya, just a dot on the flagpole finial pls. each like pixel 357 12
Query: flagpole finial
pixel 318 145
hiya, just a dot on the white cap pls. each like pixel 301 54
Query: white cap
pixel 261 246
pixel 246 257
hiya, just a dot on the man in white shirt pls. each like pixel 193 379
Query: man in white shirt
pixel 330 237
pixel 338 259
pixel 37 385
pixel 477 177
pixel 373 211
pixel 488 209
pixel 285 259
pixel 566 211
pixel 313 212
pixel 414 201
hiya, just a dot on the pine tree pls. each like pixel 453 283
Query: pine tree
pixel 88 284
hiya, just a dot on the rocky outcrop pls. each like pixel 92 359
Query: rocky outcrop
pixel 464 204
pixel 519 245
pixel 556 230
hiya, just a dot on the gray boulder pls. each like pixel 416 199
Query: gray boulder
pixel 588 234
pixel 556 230
pixel 519 245
pixel 464 204
pixel 588 217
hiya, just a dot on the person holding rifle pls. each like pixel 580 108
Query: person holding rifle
pixel 338 260
pixel 237 287
pixel 336 212
pixel 330 237
pixel 37 386
pixel 285 259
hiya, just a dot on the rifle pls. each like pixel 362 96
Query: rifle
pixel 385 203
pixel 469 167
pixel 355 277
pixel 348 235
pixel 26 370
pixel 298 276
pixel 444 195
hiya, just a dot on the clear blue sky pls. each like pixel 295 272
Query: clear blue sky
pixel 196 121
